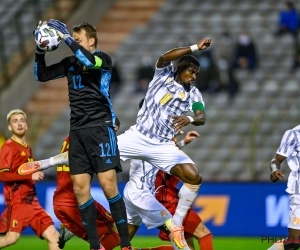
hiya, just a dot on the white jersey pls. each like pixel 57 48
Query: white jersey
pixel 164 98
pixel 143 175
pixel 290 148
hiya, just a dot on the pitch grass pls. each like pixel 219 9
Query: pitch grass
pixel 220 243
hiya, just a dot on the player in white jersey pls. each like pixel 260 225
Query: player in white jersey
pixel 169 96
pixel 289 149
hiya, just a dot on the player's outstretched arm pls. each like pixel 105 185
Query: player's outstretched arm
pixel 276 173
pixel 174 54
pixel 35 166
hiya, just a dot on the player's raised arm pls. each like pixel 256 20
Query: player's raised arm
pixel 176 53
pixel 85 56
pixel 42 72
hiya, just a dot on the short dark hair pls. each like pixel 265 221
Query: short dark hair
pixel 187 61
pixel 90 31
pixel 141 103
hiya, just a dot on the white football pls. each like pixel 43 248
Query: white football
pixel 47 39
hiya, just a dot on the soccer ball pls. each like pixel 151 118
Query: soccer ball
pixel 47 39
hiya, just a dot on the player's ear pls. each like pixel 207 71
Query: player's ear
pixel 9 127
pixel 92 42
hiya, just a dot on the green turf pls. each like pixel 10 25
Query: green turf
pixel 33 243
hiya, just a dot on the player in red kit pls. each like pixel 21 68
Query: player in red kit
pixel 167 195
pixel 67 212
pixel 22 206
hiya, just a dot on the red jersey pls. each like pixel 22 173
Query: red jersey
pixel 166 186
pixel 64 194
pixel 17 189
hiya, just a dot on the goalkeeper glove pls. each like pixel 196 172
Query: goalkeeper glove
pixel 35 33
pixel 62 30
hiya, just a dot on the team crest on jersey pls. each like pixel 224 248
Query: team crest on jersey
pixel 23 153
pixel 163 213
pixel 167 97
pixel 14 223
pixel 169 80
pixel 182 95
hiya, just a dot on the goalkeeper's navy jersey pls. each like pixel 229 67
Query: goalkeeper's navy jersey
pixel 88 85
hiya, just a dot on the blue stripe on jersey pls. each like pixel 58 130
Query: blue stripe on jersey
pixel 82 58
pixel 104 88
pixel 36 73
pixel 112 141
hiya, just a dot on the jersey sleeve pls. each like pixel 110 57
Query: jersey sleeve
pixel 90 60
pixel 6 160
pixel 196 96
pixel 288 143
pixel 45 73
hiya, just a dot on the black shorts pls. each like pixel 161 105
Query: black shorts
pixel 93 150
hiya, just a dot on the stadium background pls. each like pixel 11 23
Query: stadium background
pixel 239 138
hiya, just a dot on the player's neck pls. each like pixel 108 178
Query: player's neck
pixel 20 139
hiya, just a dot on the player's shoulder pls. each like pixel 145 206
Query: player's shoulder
pixel 9 144
pixel 102 54
pixel 194 91
pixel 295 129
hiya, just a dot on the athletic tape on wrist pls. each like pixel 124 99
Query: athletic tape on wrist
pixel 180 144
pixel 273 167
pixel 191 119
pixel 194 47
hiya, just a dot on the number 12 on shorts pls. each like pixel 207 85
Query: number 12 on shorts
pixel 107 150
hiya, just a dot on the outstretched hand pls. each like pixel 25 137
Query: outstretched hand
pixel 190 136
pixel 204 43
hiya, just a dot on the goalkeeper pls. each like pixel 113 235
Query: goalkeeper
pixel 93 144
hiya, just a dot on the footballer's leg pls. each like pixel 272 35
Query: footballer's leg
pixel 52 236
pixel 192 179
pixel 10 238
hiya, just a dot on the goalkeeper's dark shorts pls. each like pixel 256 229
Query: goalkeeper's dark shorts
pixel 93 150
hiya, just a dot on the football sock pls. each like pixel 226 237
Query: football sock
pixel 118 212
pixel 206 242
pixel 88 217
pixel 187 195
pixel 166 247
pixel 110 240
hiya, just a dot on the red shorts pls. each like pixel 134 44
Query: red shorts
pixel 70 217
pixel 17 217
pixel 190 222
